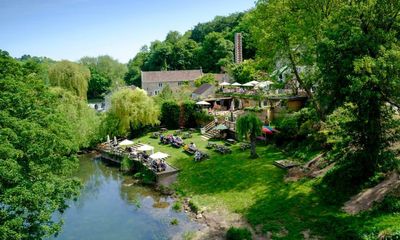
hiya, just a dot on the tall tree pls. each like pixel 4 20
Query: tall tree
pixel 107 72
pixel 248 127
pixel 36 154
pixel 70 76
pixel 359 59
pixel 216 52
pixel 133 109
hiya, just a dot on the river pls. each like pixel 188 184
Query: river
pixel 111 206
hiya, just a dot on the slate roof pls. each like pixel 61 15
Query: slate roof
pixel 171 76
pixel 204 87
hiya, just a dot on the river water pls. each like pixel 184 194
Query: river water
pixel 111 206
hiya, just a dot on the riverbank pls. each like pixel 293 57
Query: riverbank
pixel 235 190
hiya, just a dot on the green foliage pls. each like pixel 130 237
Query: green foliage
pixel 234 233
pixel 126 164
pixel 170 111
pixel 243 72
pixel 83 120
pixel 98 84
pixel 166 94
pixel 133 109
pixel 206 78
pixel 107 74
pixel 188 114
pixel 216 52
pixel 36 154
pixel 174 221
pixel 193 207
pixel 359 59
pixel 249 127
pixel 70 76
pixel 177 206
pixel 202 118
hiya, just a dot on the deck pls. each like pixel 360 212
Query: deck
pixel 116 157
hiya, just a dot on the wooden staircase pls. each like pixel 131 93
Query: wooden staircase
pixel 209 132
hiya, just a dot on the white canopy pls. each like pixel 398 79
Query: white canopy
pixel 236 84
pixel 125 143
pixel 203 103
pixel 146 147
pixel 249 84
pixel 158 155
pixel 224 84
pixel 254 82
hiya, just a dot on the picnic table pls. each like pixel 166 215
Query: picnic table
pixel 230 141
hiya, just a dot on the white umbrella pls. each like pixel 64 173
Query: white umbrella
pixel 248 85
pixel 254 82
pixel 108 139
pixel 125 143
pixel 224 84
pixel 158 155
pixel 115 140
pixel 236 84
pixel 203 103
pixel 146 147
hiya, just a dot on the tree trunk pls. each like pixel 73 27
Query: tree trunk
pixel 253 153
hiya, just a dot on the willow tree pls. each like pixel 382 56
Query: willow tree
pixel 133 109
pixel 70 76
pixel 248 127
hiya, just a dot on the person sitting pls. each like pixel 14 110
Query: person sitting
pixel 192 146
pixel 163 165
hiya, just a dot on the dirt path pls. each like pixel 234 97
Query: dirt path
pixel 365 199
pixel 217 222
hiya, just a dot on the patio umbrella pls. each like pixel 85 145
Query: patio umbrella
pixel 236 84
pixel 204 103
pixel 266 130
pixel 146 147
pixel 115 140
pixel 254 82
pixel 108 139
pixel 125 143
pixel 249 84
pixel 224 84
pixel 220 127
pixel 158 155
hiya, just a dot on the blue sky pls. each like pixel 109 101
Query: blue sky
pixel 71 29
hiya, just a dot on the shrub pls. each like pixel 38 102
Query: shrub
pixel 177 206
pixel 238 234
pixel 170 114
pixel 193 207
pixel 126 164
pixel 174 221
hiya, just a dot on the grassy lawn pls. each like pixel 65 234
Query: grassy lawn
pixel 257 190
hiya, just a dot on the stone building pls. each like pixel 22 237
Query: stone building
pixel 154 81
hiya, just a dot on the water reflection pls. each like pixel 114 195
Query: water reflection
pixel 111 206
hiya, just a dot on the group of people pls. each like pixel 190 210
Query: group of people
pixel 156 164
pixel 159 165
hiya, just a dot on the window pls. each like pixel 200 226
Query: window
pixel 160 84
pixel 180 83
pixel 156 92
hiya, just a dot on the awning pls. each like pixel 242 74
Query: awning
pixel 158 155
pixel 236 84
pixel 220 127
pixel 203 103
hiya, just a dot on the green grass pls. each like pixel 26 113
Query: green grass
pixel 257 190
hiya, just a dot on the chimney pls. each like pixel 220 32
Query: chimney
pixel 238 48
